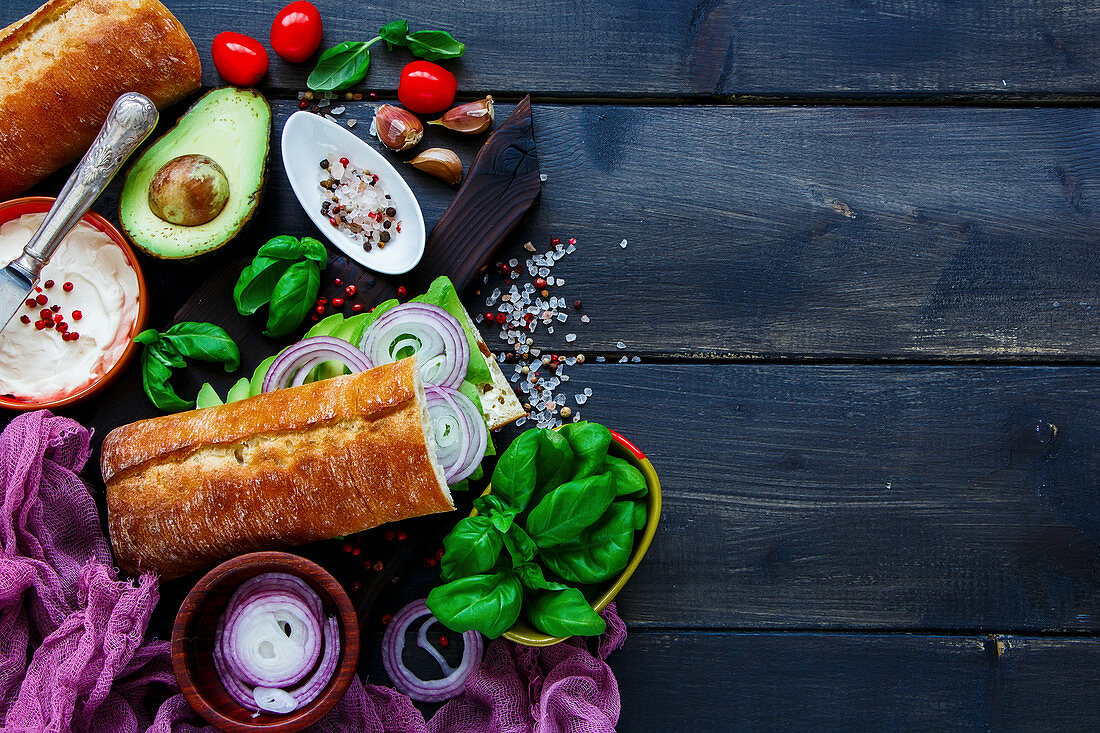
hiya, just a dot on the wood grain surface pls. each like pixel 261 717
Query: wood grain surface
pixel 880 49
pixel 860 276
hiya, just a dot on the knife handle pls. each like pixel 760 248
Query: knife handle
pixel 129 122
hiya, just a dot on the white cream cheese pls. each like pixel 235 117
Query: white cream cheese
pixel 39 365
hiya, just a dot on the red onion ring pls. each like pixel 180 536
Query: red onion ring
pixel 393 644
pixel 272 635
pixel 432 333
pixel 311 351
pixel 455 418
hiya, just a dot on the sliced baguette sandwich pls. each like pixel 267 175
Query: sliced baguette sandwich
pixel 279 469
pixel 498 400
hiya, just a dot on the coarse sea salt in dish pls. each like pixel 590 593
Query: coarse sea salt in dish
pixel 307 139
pixel 93 288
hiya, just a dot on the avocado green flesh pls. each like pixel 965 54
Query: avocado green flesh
pixel 232 127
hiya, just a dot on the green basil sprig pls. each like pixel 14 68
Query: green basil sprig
pixel 346 64
pixel 169 350
pixel 561 511
pixel 285 275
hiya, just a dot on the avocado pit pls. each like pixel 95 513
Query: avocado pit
pixel 189 190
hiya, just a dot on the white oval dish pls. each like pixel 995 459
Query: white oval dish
pixel 307 138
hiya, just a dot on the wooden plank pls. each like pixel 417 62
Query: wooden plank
pixel 614 48
pixel 711 681
pixel 818 233
pixel 916 498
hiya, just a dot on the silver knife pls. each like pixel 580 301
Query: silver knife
pixel 129 122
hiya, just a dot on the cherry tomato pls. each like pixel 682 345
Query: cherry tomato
pixel 296 32
pixel 240 60
pixel 426 88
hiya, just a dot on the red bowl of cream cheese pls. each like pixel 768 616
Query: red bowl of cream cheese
pixel 92 287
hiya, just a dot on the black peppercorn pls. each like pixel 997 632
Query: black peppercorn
pixel 384 236
pixel 391 211
pixel 325 205
pixel 387 224
pixel 324 163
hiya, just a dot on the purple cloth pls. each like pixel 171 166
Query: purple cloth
pixel 73 654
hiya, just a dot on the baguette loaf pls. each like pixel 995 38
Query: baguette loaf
pixel 64 65
pixel 284 468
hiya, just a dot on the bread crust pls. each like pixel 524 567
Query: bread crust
pixel 63 66
pixel 280 469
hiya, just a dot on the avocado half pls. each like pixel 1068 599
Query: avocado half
pixel 233 128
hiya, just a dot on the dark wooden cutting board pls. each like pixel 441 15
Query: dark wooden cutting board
pixel 502 185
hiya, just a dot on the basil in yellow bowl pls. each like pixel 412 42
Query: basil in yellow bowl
pixel 562 527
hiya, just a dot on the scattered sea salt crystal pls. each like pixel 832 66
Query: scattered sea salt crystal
pixel 544 271
pixel 571 249
pixel 576 417
pixel 301 95
pixel 520 421
pixel 323 103
pixel 529 247
pixel 565 377
pixel 515 378
pixel 570 337
pixel 585 318
pixel 588 391
pixel 563 317
pixel 352 123
pixel 560 282
pixel 338 110
pixel 542 177
pixel 580 398
pixel 620 345
pixel 513 262
pixel 550 329
pixel 570 360
pixel 601 359
pixel 549 280
pixel 635 359
pixel 623 244
pixel 493 297
pixel 623 360
pixel 479 318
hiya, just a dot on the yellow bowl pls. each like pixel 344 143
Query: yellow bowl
pixel 524 633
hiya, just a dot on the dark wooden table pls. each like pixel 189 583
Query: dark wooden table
pixel 861 274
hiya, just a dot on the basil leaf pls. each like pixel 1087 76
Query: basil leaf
pixel 394 33
pixel 147 336
pixel 628 480
pixel 292 297
pixel 569 509
pixel 154 380
pixel 499 513
pixel 205 342
pixel 282 247
pixel 257 281
pixel 565 613
pixel 598 554
pixel 520 546
pixel 554 465
pixel 434 45
pixel 472 547
pixel 311 249
pixel 589 442
pixel 514 476
pixel 641 515
pixel 164 352
pixel 341 66
pixel 489 603
pixel 531 576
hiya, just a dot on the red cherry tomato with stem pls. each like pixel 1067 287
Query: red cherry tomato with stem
pixel 240 59
pixel 426 88
pixel 296 32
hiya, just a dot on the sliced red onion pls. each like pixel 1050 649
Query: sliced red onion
pixel 461 437
pixel 294 363
pixel 273 635
pixel 426 330
pixel 393 644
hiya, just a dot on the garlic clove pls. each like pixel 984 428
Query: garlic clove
pixel 441 163
pixel 469 118
pixel 397 128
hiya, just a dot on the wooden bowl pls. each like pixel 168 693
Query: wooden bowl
pixel 16 208
pixel 525 634
pixel 193 643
